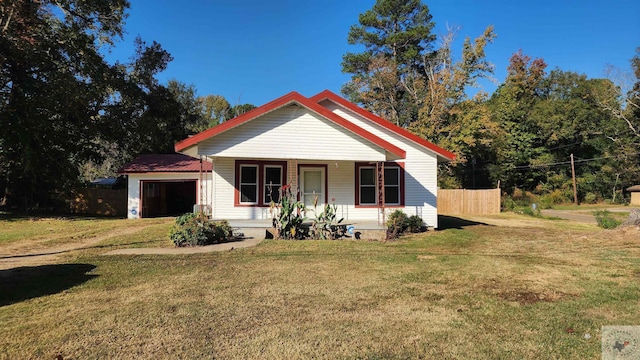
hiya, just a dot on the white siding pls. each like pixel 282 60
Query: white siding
pixel 133 184
pixel 421 167
pixel 223 196
pixel 294 134
pixel 340 191
pixel 288 133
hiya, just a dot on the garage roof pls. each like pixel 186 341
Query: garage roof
pixel 147 163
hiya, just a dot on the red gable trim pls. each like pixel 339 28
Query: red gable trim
pixel 280 102
pixel 326 94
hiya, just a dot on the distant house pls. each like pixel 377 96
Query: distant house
pixel 635 195
pixel 325 147
pixel 166 184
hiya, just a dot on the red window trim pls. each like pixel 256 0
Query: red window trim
pixel 326 179
pixel 261 164
pixel 399 165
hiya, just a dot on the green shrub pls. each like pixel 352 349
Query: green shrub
pixel 416 224
pixel 590 198
pixel 508 204
pixel 197 230
pixel 529 210
pixel 397 223
pixel 605 220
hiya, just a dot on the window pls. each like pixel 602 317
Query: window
pixel 272 183
pixel 248 184
pixel 367 184
pixel 258 182
pixel 392 185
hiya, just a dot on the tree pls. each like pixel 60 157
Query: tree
pixel 52 86
pixel 215 110
pixel 387 78
pixel 448 117
pixel 511 106
pixel 238 110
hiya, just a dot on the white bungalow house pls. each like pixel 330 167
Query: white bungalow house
pixel 325 147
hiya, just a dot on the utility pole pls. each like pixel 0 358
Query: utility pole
pixel 573 176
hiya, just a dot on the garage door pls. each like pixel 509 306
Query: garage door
pixel 168 198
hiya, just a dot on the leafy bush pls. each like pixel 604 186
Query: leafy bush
pixel 590 198
pixel 529 210
pixel 416 224
pixel 508 204
pixel 397 223
pixel 197 230
pixel 605 220
pixel 557 196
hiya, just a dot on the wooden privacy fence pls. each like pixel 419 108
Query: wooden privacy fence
pixel 469 202
pixel 96 201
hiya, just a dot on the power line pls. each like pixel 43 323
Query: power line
pixel 522 167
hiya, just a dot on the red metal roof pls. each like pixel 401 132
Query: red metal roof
pixel 164 163
pixel 326 94
pixel 283 101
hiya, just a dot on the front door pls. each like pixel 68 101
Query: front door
pixel 312 187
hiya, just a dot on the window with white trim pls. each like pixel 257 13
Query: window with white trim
pixel 367 185
pixel 272 183
pixel 248 184
pixel 392 185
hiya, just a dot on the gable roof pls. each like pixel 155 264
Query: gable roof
pixel 292 97
pixel 164 163
pixel 328 95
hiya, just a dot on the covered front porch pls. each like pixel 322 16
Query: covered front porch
pixel 361 191
pixel 259 229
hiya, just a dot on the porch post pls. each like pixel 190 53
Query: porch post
pixel 381 210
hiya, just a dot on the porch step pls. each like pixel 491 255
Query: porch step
pixel 262 229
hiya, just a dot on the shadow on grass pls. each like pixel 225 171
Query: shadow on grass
pixel 30 282
pixel 451 222
pixel 15 216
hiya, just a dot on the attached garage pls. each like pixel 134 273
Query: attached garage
pixel 166 185
pixel 167 197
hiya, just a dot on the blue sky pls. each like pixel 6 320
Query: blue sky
pixel 255 51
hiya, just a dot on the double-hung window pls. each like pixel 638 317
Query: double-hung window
pixel 392 185
pixel 248 184
pixel 367 192
pixel 259 182
pixel 367 185
pixel 272 183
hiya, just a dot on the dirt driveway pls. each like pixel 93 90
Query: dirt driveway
pixel 573 215
pixel 585 216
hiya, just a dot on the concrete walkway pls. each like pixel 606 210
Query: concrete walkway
pixel 187 250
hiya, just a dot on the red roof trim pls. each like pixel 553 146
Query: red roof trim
pixel 328 95
pixel 280 102
pixel 227 125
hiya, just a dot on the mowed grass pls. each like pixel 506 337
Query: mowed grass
pixel 521 288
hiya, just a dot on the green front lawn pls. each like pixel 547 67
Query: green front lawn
pixel 524 288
